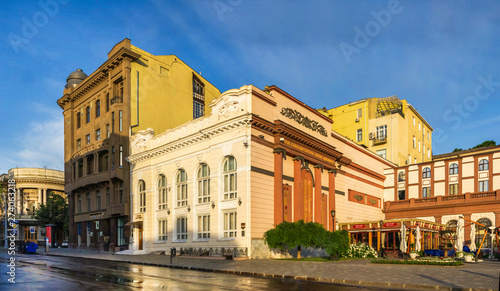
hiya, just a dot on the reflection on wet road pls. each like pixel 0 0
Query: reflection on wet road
pixel 37 272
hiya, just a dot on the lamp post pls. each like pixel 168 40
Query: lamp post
pixel 333 218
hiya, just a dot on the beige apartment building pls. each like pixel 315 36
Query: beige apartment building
pixel 131 91
pixel 390 127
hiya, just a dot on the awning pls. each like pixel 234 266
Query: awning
pixel 134 223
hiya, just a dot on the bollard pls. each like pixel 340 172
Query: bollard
pixel 46 244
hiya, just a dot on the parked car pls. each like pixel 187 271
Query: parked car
pixel 64 244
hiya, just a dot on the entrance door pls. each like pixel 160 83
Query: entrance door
pixel 30 234
pixel 140 237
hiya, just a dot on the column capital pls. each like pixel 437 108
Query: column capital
pixel 333 171
pixel 298 158
pixel 279 151
pixel 320 166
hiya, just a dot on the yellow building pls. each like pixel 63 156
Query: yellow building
pixel 389 126
pixel 131 91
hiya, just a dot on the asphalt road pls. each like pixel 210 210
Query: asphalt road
pixel 36 272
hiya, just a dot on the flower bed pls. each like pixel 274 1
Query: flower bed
pixel 438 262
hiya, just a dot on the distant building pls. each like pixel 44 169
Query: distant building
pixel 465 183
pixel 131 91
pixel 214 185
pixel 33 187
pixel 389 126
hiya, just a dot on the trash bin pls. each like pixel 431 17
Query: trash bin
pixel 31 248
pixel 21 247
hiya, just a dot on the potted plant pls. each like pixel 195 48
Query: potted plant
pixel 469 257
pixel 460 254
pixel 413 254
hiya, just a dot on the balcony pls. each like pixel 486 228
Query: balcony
pixel 465 200
pixel 118 209
pixel 116 99
pixel 380 140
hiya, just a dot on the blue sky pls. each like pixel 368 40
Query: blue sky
pixel 442 56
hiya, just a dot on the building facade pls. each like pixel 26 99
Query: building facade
pixel 460 184
pixel 33 187
pixel 131 91
pixel 390 127
pixel 214 185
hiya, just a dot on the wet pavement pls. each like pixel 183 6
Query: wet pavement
pixel 474 276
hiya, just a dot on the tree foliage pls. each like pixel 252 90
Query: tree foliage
pixel 288 235
pixel 486 143
pixel 55 211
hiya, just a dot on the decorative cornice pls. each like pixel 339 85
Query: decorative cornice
pixel 189 140
pixel 279 151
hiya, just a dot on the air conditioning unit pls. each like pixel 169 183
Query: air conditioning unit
pixel 372 135
pixel 357 120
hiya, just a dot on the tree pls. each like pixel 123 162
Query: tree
pixel 288 235
pixel 457 150
pixel 55 211
pixel 486 143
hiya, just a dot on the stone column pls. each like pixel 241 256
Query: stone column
pixel 331 198
pixel 298 201
pixel 279 154
pixel 318 169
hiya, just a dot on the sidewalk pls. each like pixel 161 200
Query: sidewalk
pixel 473 276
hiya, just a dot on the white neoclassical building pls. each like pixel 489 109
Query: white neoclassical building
pixel 214 185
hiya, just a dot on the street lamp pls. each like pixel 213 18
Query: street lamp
pixel 333 218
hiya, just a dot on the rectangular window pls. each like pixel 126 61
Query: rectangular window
pixel 108 201
pixel 230 185
pixel 409 159
pixel 108 133
pixel 359 135
pixel 88 202
pixel 418 146
pixel 413 120
pixel 78 144
pixel 429 153
pixel 414 142
pixel 483 186
pixel 359 113
pixel 142 201
pixel 381 132
pixel 98 134
pixel 120 162
pixel 162 230
pixel 78 120
pixel 230 224
pixel 120 124
pixel 98 108
pixel 120 233
pixel 112 122
pixel 453 189
pixel 382 153
pixel 87 138
pixel 79 204
pixel 107 102
pixel 426 192
pixel 198 98
pixel 182 228
pixel 98 199
pixel 90 164
pixel 80 168
pixel 203 226
pixel 112 157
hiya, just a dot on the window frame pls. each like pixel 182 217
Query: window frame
pixel 426 173
pixel 484 186
pixel 359 135
pixel 87 114
pixel 230 178
pixel 453 189
pixel 426 192
pixel 381 131
pixel 453 170
pixel 203 232
pixel 97 108
pixel 203 179
pixel 162 234
pixel 181 187
pixel 181 230
pixel 142 196
pixel 162 192
pixel 484 165
pixel 228 221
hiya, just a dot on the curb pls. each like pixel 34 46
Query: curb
pixel 283 277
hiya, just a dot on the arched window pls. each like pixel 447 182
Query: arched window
pixel 230 178
pixel 483 165
pixel 142 196
pixel 203 184
pixel 162 192
pixel 426 173
pixel 453 169
pixel 401 176
pixel 87 114
pixel 451 227
pixel 480 230
pixel 181 184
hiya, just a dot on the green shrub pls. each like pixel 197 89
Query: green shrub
pixel 360 250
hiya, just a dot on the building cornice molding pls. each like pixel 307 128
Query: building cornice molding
pixel 203 134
